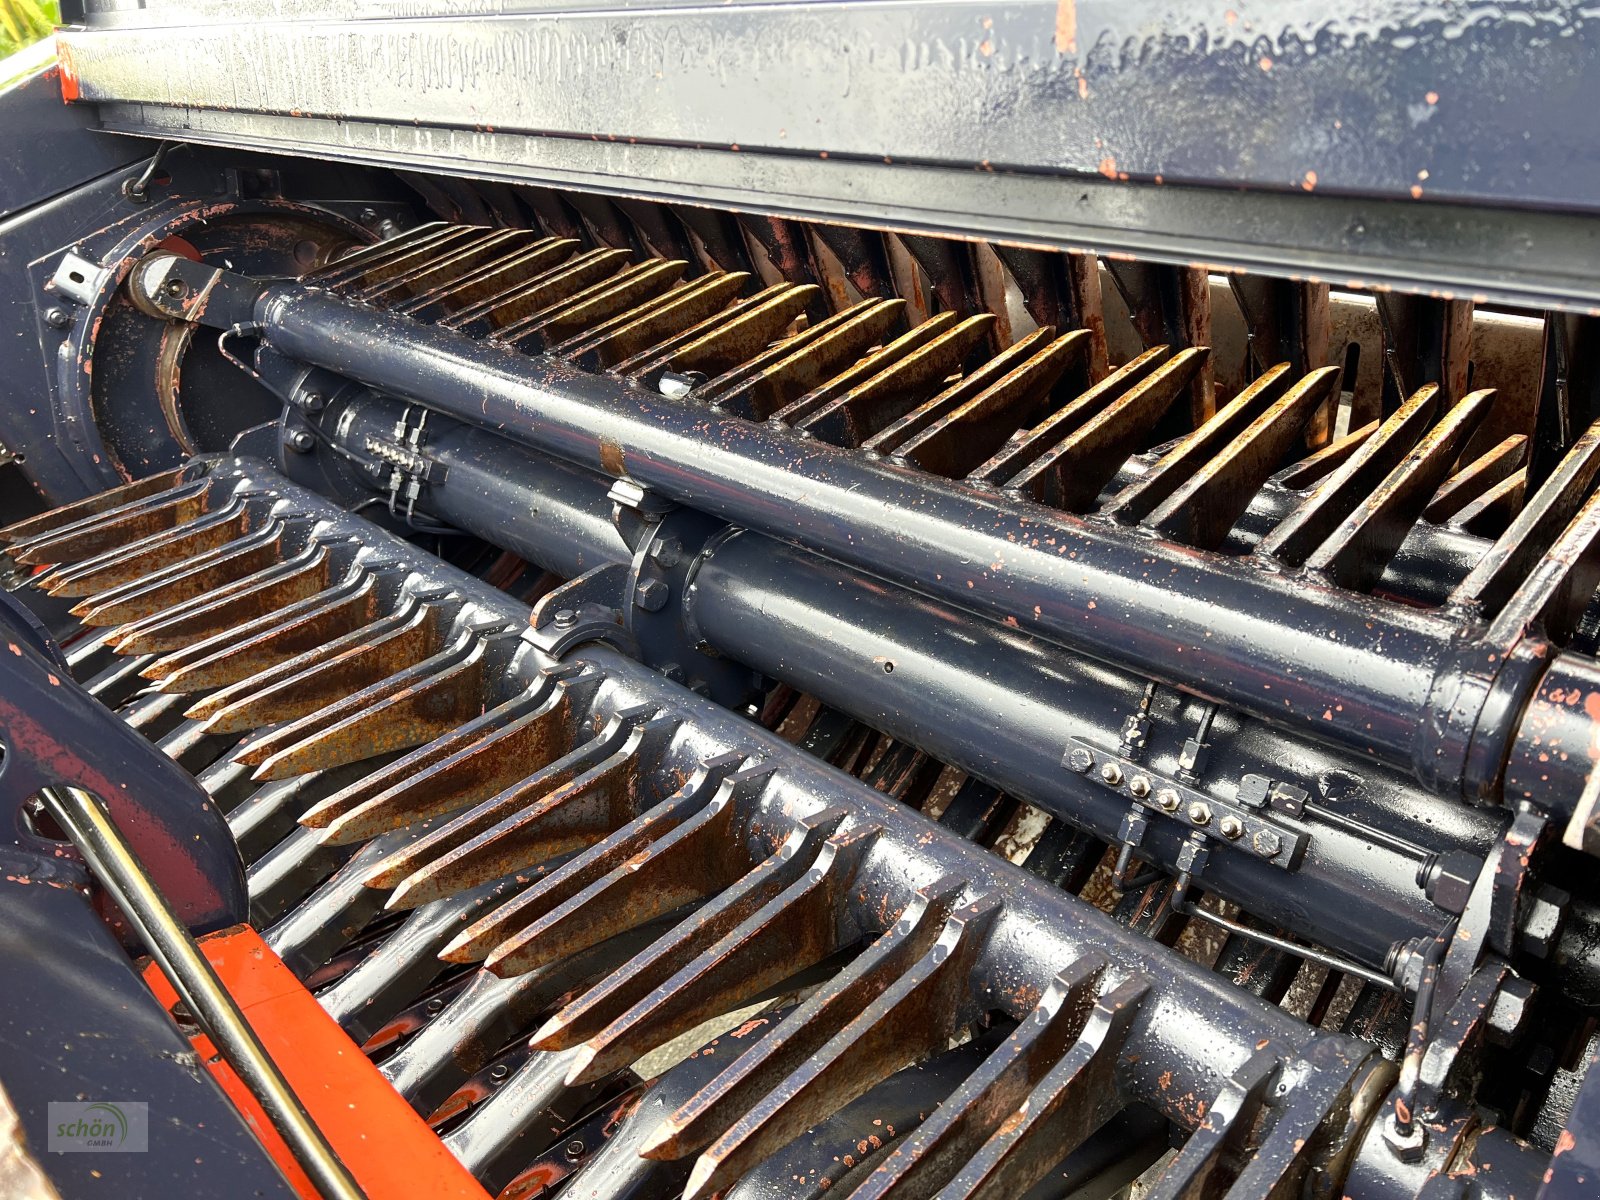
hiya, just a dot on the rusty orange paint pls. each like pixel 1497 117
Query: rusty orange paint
pixel 387 1147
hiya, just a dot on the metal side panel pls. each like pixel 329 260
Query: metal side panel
pixel 1044 122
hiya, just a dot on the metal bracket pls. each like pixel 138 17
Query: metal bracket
pixel 582 610
pixel 79 279
pixel 410 466
pixel 1275 839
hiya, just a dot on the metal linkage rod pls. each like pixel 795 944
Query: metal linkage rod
pixel 119 870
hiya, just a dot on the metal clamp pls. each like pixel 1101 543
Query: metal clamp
pixel 1275 838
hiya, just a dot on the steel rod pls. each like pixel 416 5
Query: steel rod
pixel 120 872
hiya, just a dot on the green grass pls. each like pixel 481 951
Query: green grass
pixel 24 24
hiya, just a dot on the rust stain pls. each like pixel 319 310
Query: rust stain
pixel 611 457
pixel 1067 27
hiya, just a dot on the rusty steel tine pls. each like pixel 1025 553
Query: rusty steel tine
pixel 920 1165
pixel 57 519
pixel 409 709
pixel 1501 571
pixel 491 279
pixel 116 682
pixel 913 1019
pixel 863 369
pixel 1025 447
pixel 166 590
pixel 472 772
pixel 804 850
pixel 899 386
pixel 1490 514
pixel 967 422
pixel 573 815
pixel 729 338
pixel 1476 478
pixel 760 386
pixel 521 932
pixel 1070 474
pixel 594 304
pixel 1559 586
pixel 142 558
pixel 464 826
pixel 407 961
pixel 712 1111
pixel 647 324
pixel 1076 1097
pixel 528 296
pixel 252 646
pixel 305 683
pixel 424 759
pixel 151 713
pixel 252 598
pixel 368 256
pixel 113 527
pixel 1279 1163
pixel 1313 468
pixel 267 815
pixel 1339 494
pixel 390 266
pixel 1355 554
pixel 1191 452
pixel 1222 1133
pixel 459 260
pixel 1204 508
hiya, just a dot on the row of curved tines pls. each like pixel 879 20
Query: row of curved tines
pixel 1141 445
pixel 510 897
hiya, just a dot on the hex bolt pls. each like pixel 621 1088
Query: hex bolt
pixel 1231 828
pixel 651 595
pixel 1080 760
pixel 301 441
pixel 1111 773
pixel 1268 843
pixel 1200 813
pixel 57 317
pixel 1139 786
pixel 1167 800
pixel 565 618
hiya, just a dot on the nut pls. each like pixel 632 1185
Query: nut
pixel 1139 786
pixel 566 617
pixel 1200 813
pixel 301 441
pixel 1231 827
pixel 1449 879
pixel 1509 1012
pixel 1541 926
pixel 1167 800
pixel 1111 773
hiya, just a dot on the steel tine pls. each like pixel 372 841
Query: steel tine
pixel 1476 478
pixel 909 344
pixel 288 873
pixel 369 256
pixel 464 826
pixel 183 582
pixel 1202 509
pixel 1072 473
pixel 319 926
pixel 778 376
pixel 648 324
pixel 727 339
pixel 997 1089
pixel 581 313
pixel 1313 468
pixel 409 708
pixel 571 816
pixel 1357 552
pixel 1228 1122
pixel 114 527
pixel 805 849
pixel 1560 586
pixel 302 685
pixel 913 1019
pixel 460 260
pixel 136 560
pixel 549 917
pixel 900 386
pixel 421 766
pixel 269 813
pixel 57 519
pixel 1316 517
pixel 381 268
pixel 1514 555
pixel 1075 1097
pixel 250 599
pixel 527 296
pixel 961 427
pixel 489 280
pixel 516 1123
pixel 712 1111
pixel 1025 447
